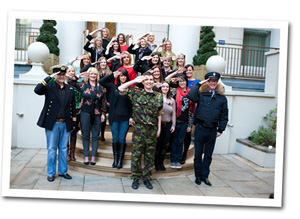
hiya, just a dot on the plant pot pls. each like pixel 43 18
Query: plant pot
pixel 51 61
pixel 261 155
pixel 200 71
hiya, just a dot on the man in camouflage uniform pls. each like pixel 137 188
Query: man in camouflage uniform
pixel 147 109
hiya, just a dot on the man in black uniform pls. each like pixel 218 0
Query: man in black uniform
pixel 58 117
pixel 211 117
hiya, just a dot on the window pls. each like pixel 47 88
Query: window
pixel 255 44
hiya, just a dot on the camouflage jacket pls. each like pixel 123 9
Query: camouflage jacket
pixel 146 107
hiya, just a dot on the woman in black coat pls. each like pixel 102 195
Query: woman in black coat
pixel 120 114
pixel 140 52
pixel 97 51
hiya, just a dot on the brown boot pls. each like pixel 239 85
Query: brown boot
pixel 72 147
pixel 68 152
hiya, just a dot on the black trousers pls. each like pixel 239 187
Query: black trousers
pixel 163 139
pixel 204 138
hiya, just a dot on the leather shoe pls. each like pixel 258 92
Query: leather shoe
pixel 198 181
pixel 66 176
pixel 50 178
pixel 206 181
pixel 148 184
pixel 135 184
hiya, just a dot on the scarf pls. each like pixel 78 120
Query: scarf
pixel 179 94
pixel 141 52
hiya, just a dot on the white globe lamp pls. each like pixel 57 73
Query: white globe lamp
pixel 217 63
pixel 38 53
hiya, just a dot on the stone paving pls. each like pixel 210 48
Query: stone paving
pixel 231 176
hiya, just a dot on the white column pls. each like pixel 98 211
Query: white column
pixel 71 39
pixel 272 69
pixel 185 39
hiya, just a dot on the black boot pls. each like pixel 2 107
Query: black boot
pixel 102 130
pixel 157 163
pixel 122 148
pixel 162 160
pixel 115 147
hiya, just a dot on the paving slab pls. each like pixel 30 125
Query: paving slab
pixel 180 185
pixel 28 176
pixel 15 152
pixel 267 177
pixel 26 154
pixel 43 184
pixel 218 191
pixel 102 184
pixel 233 175
pixel 251 187
pixel 77 188
pixel 38 161
pixel 16 166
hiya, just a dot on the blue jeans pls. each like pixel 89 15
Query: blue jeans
pixel 57 138
pixel 119 131
pixel 177 141
pixel 86 129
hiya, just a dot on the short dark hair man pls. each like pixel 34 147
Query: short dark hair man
pixel 146 109
pixel 211 117
pixel 58 117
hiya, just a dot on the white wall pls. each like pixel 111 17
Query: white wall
pixel 71 39
pixel 185 39
pixel 25 132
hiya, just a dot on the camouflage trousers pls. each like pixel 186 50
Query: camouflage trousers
pixel 143 143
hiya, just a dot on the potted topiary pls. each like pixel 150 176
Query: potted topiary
pixel 206 49
pixel 47 36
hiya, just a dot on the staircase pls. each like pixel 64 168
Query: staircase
pixel 104 160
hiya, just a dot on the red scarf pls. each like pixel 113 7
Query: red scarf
pixel 179 94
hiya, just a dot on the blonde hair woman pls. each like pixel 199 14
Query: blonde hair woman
pixel 93 109
pixel 167 50
pixel 150 40
pixel 103 67
pixel 97 51
pixel 179 61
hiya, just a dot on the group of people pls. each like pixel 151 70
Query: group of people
pixel 157 95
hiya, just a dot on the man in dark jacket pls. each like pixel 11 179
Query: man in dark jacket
pixel 58 117
pixel 211 117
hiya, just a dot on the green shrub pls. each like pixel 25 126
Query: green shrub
pixel 47 36
pixel 207 46
pixel 266 134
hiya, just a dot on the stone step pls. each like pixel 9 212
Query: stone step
pixel 103 167
pixel 105 149
pixel 104 160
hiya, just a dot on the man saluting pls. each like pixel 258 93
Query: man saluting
pixel 58 117
pixel 211 117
